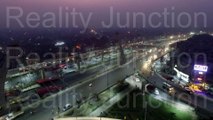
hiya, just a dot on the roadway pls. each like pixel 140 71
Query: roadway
pixel 80 88
pixel 27 79
pixel 71 79
pixel 196 100
pixel 100 82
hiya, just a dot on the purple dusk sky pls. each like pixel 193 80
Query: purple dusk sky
pixel 100 8
pixel 101 4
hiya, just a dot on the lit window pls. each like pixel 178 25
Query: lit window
pixel 201 73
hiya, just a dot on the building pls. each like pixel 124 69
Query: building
pixel 194 57
pixel 3 72
pixel 200 73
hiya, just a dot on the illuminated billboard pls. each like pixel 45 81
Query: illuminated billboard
pixel 202 68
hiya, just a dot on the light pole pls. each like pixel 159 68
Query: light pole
pixel 145 116
pixel 107 78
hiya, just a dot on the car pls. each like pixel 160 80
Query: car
pixel 9 116
pixel 156 91
pixel 67 107
pixel 169 78
pixel 209 92
pixel 188 90
pixel 47 90
pixel 13 93
pixel 151 89
pixel 168 88
pixel 90 85
pixel 70 69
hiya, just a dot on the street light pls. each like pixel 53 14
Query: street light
pixel 155 56
pixel 192 33
pixel 146 65
pixel 166 49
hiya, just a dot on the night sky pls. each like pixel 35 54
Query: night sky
pixel 100 8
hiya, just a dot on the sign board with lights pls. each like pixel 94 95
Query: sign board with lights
pixel 202 68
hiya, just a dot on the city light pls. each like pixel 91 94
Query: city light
pixel 155 56
pixel 62 59
pixel 201 73
pixel 166 49
pixel 199 79
pixel 78 47
pixel 67 59
pixel 201 68
pixel 195 88
pixel 146 65
pixel 191 33
pixel 179 36
pixel 60 43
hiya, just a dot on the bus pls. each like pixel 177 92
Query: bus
pixel 47 82
pixel 47 90
pixel 50 85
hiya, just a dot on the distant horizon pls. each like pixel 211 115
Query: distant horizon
pixel 96 13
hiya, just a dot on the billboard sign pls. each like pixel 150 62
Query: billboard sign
pixel 202 68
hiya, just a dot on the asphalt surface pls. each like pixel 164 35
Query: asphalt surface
pixel 195 100
pixel 81 90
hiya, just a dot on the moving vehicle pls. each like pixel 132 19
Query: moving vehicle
pixel 209 92
pixel 169 78
pixel 69 69
pixel 67 107
pixel 151 89
pixel 188 90
pixel 49 89
pixel 47 82
pixel 12 116
pixel 168 88
pixel 13 93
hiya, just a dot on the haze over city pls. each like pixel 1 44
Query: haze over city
pixel 95 12
pixel 106 59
